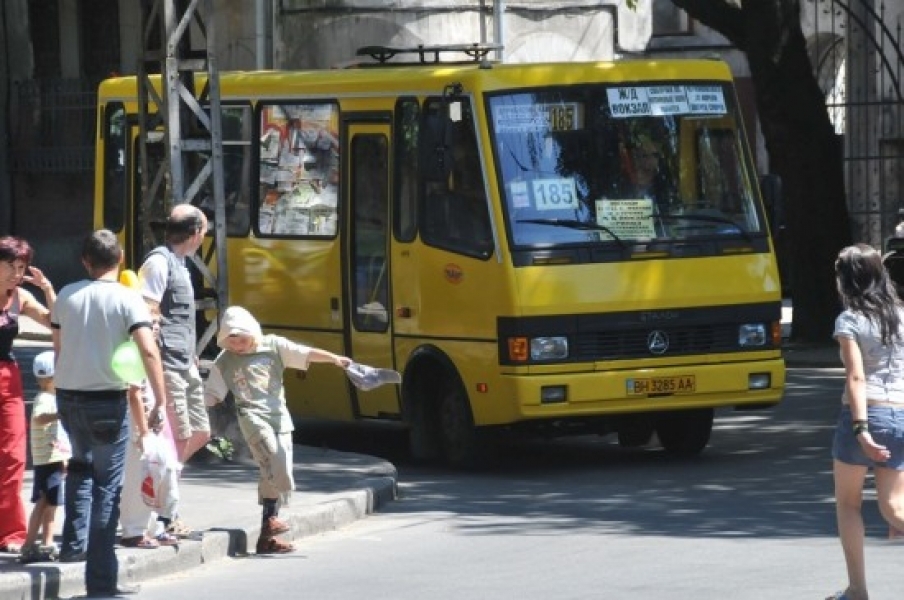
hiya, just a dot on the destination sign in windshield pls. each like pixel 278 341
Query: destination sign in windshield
pixel 662 100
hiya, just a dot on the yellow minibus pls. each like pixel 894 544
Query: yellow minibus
pixel 542 248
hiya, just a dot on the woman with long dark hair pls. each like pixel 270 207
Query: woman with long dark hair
pixel 15 267
pixel 870 429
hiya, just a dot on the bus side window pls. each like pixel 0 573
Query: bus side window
pixel 456 216
pixel 370 213
pixel 404 214
pixel 237 126
pixel 114 166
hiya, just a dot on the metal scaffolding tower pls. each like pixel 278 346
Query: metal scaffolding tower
pixel 180 137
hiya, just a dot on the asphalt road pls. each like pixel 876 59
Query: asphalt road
pixel 753 517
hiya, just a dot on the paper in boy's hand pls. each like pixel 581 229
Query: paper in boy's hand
pixel 367 378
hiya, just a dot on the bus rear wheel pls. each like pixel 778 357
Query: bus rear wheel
pixel 460 439
pixel 685 432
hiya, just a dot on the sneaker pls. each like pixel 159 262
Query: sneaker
pixel 272 545
pixel 273 527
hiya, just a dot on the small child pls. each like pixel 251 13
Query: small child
pixel 251 366
pixel 49 452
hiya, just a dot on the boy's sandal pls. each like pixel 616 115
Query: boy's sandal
pixel 840 595
pixel 12 548
pixel 139 541
pixel 274 546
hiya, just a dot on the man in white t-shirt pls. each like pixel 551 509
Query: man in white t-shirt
pixel 90 320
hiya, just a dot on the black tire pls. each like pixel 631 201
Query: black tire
pixel 685 432
pixel 424 443
pixel 460 440
pixel 634 433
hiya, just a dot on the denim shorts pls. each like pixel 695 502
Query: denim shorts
pixel 886 426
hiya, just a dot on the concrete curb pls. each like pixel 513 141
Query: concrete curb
pixel 46 581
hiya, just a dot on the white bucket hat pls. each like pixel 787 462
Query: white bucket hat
pixel 237 320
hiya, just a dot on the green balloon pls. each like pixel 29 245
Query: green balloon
pixel 127 362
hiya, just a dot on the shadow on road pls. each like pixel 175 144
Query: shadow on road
pixel 765 474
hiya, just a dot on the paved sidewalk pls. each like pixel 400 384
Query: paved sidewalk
pixel 220 500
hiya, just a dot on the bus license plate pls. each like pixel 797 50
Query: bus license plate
pixel 679 384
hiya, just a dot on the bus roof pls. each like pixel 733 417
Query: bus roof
pixel 431 79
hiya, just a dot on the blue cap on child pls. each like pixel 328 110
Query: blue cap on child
pixel 43 364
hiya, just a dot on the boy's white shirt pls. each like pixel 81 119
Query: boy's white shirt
pixel 49 443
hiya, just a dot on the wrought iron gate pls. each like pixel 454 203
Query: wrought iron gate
pixel 856 49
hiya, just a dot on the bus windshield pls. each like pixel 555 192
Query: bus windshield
pixel 623 164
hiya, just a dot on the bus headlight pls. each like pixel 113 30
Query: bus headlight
pixel 752 334
pixel 549 348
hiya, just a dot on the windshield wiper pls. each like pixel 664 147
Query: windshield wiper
pixel 707 219
pixel 574 224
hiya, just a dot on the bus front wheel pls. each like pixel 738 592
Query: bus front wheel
pixel 423 437
pixel 460 439
pixel 685 432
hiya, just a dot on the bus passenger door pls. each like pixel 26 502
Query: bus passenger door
pixel 367 279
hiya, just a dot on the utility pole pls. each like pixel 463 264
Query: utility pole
pixel 180 137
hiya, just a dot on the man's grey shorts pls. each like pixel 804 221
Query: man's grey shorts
pixel 185 407
pixel 886 426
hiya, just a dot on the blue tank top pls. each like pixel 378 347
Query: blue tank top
pixel 9 328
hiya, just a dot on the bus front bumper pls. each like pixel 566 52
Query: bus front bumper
pixel 752 384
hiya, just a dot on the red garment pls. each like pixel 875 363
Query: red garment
pixel 12 455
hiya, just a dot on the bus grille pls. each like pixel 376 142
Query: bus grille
pixel 633 343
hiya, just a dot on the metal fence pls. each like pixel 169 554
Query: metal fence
pixel 53 126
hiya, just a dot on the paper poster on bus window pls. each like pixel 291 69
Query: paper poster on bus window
pixel 628 219
pixel 519 194
pixel 706 99
pixel 662 100
pixel 299 169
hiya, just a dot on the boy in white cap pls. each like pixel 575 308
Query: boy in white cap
pixel 49 453
pixel 251 366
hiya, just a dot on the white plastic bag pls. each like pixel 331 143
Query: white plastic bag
pixel 160 474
